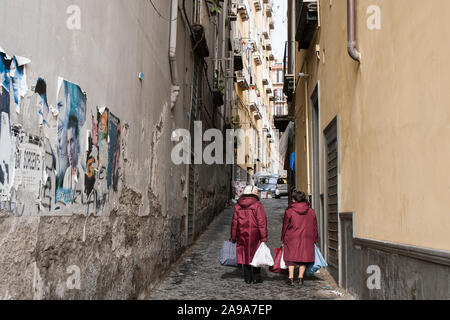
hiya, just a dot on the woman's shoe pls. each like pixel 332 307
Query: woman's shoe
pixel 290 282
pixel 248 281
pixel 301 281
pixel 257 281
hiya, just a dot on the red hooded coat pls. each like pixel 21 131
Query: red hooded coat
pixel 299 233
pixel 249 228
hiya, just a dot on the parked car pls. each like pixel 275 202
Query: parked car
pixel 282 188
pixel 267 183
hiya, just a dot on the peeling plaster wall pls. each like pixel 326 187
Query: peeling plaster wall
pixel 121 252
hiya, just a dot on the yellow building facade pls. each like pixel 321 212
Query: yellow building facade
pixel 371 139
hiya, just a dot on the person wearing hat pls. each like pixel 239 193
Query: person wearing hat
pixel 248 231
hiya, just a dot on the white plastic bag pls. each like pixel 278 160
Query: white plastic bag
pixel 262 257
pixel 283 265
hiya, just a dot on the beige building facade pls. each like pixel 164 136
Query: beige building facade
pixel 370 141
pixel 252 29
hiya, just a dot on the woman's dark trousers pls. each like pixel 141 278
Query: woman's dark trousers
pixel 252 273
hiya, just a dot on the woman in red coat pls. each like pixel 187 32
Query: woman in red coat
pixel 299 235
pixel 249 230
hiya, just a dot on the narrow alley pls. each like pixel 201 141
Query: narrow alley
pixel 129 129
pixel 199 276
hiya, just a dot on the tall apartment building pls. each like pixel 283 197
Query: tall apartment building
pixel 372 122
pixel 253 58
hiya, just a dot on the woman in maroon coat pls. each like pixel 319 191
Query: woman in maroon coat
pixel 249 230
pixel 299 235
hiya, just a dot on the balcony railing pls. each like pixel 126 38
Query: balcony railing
pixel 257 4
pixel 257 58
pixel 243 79
pixel 243 9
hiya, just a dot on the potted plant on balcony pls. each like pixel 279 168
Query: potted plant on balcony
pixel 215 7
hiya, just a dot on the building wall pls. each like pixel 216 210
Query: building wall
pixel 385 124
pixel 121 244
pixel 392 119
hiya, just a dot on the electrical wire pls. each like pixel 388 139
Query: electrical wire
pixel 159 13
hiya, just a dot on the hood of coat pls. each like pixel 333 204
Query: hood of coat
pixel 300 207
pixel 248 201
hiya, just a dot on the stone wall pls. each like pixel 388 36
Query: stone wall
pixel 103 217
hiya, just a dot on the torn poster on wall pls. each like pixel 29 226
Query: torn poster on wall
pixel 6 156
pixel 114 130
pixel 19 79
pixel 67 165
pixel 71 118
pixel 28 161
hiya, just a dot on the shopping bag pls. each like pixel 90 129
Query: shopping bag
pixel 279 265
pixel 228 255
pixel 262 257
pixel 320 262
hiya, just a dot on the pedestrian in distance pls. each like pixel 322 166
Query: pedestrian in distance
pixel 249 231
pixel 299 235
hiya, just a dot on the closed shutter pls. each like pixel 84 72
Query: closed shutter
pixel 331 174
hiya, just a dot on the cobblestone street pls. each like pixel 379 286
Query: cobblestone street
pixel 199 276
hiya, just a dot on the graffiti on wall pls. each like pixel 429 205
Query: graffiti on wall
pixel 72 166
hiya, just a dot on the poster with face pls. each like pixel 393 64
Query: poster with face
pixel 71 118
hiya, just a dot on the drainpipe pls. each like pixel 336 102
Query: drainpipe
pixel 352 51
pixel 291 36
pixel 175 89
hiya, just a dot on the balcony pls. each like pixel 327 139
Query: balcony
pixel 243 79
pixel 266 34
pixel 307 21
pixel 269 10
pixel 253 100
pixel 257 4
pixel 238 59
pixel 257 58
pixel 271 57
pixel 268 45
pixel 271 25
pixel 257 114
pixel 242 9
pixel 269 89
pixel 266 79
